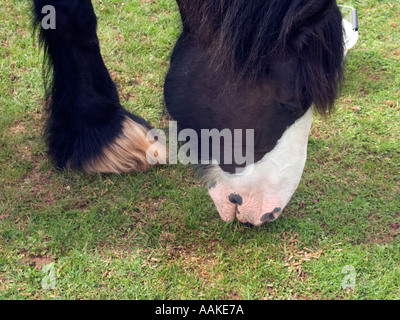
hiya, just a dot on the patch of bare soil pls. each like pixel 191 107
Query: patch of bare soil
pixel 38 261
pixel 386 236
pixel 41 261
pixel 39 186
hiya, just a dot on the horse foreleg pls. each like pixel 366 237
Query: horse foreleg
pixel 87 128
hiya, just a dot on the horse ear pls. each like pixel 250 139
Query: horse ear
pixel 301 16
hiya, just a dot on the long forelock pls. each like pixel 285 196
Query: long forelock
pixel 243 38
pixel 235 32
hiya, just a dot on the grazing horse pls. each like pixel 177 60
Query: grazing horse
pixel 259 66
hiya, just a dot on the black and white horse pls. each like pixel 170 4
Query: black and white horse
pixel 260 65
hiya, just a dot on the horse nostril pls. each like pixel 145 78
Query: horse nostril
pixel 270 217
pixel 236 199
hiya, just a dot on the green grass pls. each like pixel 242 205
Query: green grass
pixel 157 235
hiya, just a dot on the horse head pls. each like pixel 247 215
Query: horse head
pixel 262 66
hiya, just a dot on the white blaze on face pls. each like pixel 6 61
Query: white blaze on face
pixel 264 189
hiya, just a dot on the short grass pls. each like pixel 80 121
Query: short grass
pixel 157 235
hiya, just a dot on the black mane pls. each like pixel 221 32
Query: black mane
pixel 244 38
